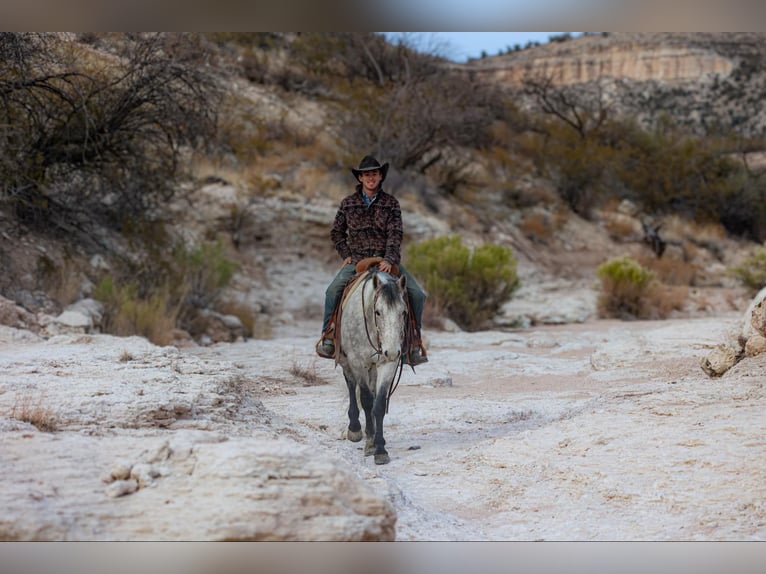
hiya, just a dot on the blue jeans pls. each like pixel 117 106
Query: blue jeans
pixel 335 291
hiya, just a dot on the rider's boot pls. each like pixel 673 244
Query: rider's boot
pixel 325 348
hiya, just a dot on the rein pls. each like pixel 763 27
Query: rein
pixel 378 350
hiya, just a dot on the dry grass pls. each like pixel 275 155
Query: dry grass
pixel 664 299
pixel 126 356
pixel 540 226
pixel 674 226
pixel 536 226
pixel 35 413
pixel 309 375
pixel 244 313
pixel 669 270
pixel 62 280
pixel 621 227
pixel 153 318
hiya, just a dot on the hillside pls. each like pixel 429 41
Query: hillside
pixel 270 199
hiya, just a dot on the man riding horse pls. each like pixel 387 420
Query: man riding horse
pixel 369 224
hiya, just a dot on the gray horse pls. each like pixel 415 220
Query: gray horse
pixel 371 338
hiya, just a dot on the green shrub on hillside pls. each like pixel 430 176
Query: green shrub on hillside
pixel 467 286
pixel 752 271
pixel 625 289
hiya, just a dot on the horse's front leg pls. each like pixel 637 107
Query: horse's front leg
pixel 354 433
pixel 366 398
pixel 384 377
pixel 378 412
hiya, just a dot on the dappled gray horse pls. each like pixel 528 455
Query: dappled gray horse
pixel 372 330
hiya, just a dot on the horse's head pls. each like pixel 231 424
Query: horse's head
pixel 390 314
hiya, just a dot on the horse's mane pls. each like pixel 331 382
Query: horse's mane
pixel 389 290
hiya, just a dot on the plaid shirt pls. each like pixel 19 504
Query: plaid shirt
pixel 360 231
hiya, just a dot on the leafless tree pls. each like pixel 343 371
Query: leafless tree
pixel 86 136
pixel 583 108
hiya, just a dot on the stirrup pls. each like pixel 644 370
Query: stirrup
pixel 325 348
pixel 415 358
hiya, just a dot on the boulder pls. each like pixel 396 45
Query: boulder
pixel 13 315
pixel 755 345
pixel 720 360
pixel 748 341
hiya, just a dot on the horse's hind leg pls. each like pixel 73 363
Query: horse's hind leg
pixel 354 433
pixel 365 396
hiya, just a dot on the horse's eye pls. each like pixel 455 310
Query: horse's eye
pixel 377 313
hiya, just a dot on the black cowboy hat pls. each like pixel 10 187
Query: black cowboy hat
pixel 369 163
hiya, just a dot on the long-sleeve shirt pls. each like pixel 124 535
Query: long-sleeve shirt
pixel 361 231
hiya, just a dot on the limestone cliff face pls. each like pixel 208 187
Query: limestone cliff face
pixel 669 64
pixel 703 80
pixel 628 56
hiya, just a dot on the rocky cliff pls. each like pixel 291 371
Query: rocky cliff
pixel 702 80
pixel 640 57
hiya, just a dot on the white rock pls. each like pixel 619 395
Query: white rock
pixel 121 488
pixel 121 469
pixel 144 474
pixel 90 308
pixel 75 320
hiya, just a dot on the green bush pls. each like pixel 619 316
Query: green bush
pixel 625 289
pixel 752 271
pixel 467 286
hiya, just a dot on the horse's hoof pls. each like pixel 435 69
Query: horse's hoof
pixel 369 448
pixel 382 458
pixel 354 436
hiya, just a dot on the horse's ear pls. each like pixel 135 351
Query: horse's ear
pixel 375 281
pixel 402 282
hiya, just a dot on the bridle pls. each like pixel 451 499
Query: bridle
pixel 378 349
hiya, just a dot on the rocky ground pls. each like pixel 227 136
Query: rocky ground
pixel 551 425
pixel 599 430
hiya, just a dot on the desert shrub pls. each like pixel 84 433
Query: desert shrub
pixel 125 313
pixel 625 285
pixel 468 286
pixel 752 271
pixel 153 304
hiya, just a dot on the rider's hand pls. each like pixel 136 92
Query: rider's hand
pixel 384 266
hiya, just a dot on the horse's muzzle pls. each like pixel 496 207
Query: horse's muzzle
pixel 392 355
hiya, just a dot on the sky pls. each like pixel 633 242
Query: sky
pixel 461 46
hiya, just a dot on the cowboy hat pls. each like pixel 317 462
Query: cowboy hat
pixel 369 163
